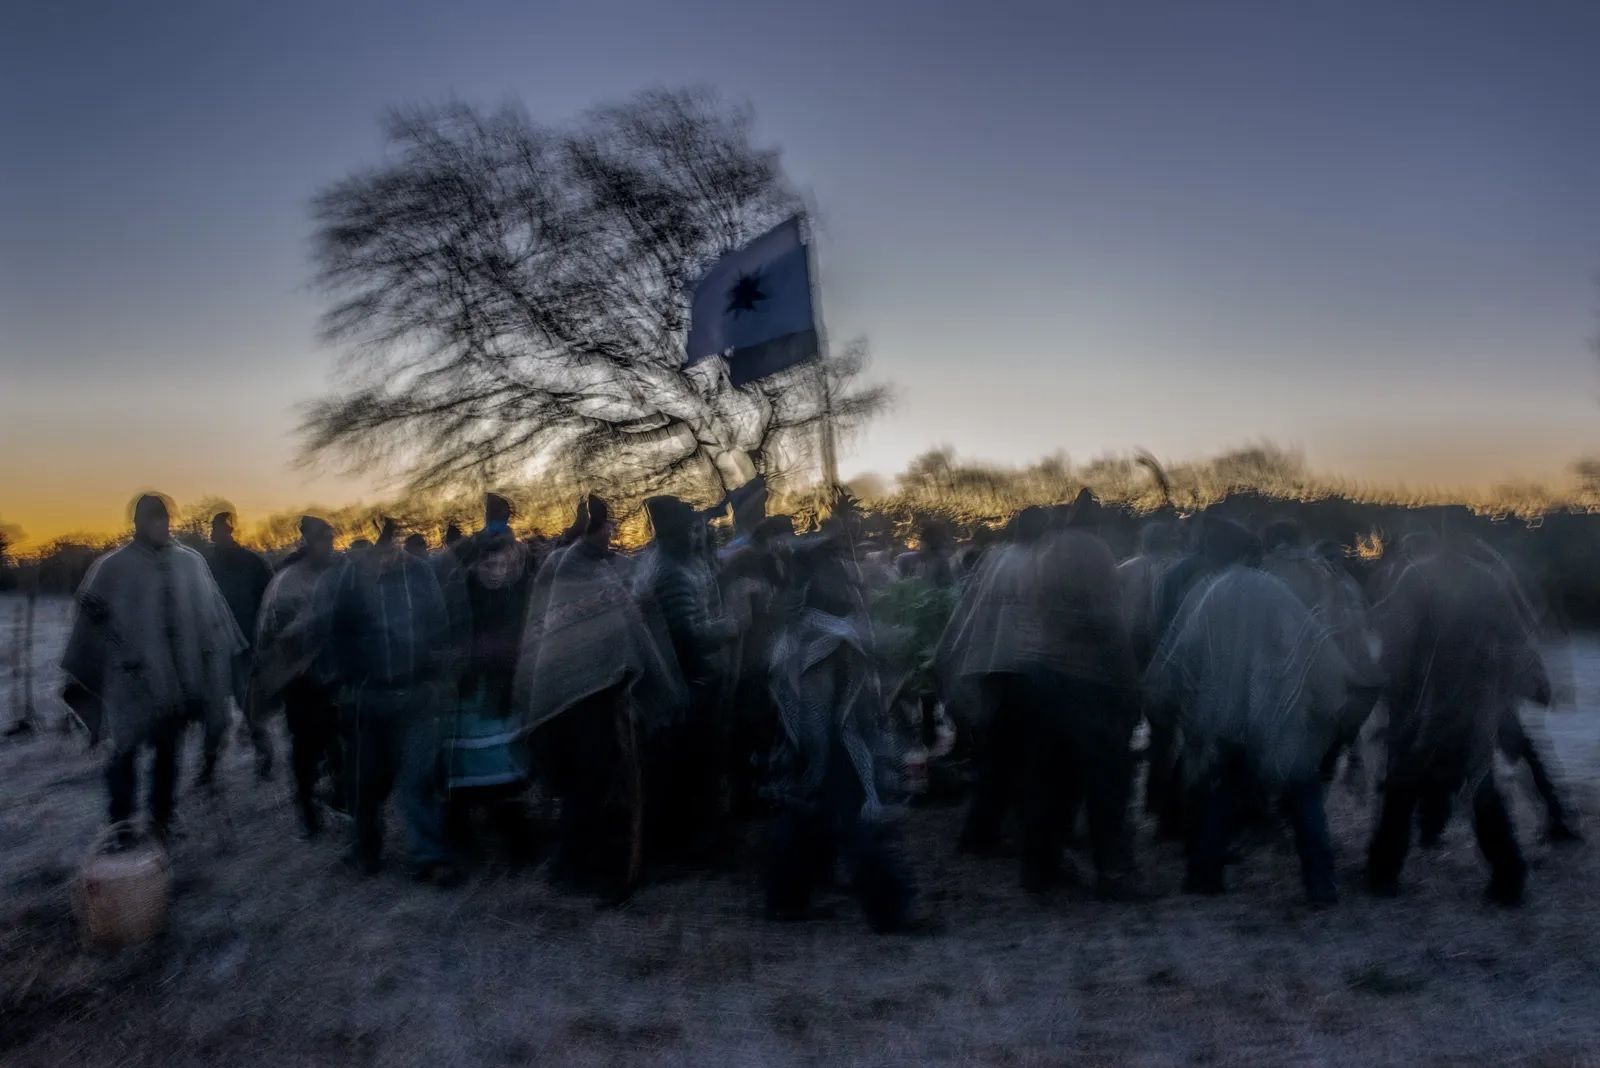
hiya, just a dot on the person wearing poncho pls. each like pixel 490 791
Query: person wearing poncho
pixel 1219 543
pixel 486 580
pixel 1458 652
pixel 288 645
pixel 827 767
pixel 151 649
pixel 593 675
pixel 1259 684
pixel 991 639
pixel 1336 602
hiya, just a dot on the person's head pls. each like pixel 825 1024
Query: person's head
pixel 317 538
pixel 496 512
pixel 1420 543
pixel 598 526
pixel 749 504
pixel 822 576
pixel 1282 534
pixel 1331 552
pixel 1224 542
pixel 152 520
pixel 773 529
pixel 1029 525
pixel 388 534
pixel 222 528
pixel 936 536
pixel 360 545
pixel 417 546
pixel 671 522
pixel 1085 512
pixel 452 533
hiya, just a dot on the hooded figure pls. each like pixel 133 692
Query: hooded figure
pixel 1258 683
pixel 592 675
pixel 826 770
pixel 1458 651
pixel 151 649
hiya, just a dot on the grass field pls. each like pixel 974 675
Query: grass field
pixel 275 955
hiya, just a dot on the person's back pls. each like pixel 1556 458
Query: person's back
pixel 1080 608
pixel 1251 667
pixel 1456 647
pixel 1458 653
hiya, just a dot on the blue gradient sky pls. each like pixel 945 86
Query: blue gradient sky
pixel 1369 230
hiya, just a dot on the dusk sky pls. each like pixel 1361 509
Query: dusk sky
pixel 1367 230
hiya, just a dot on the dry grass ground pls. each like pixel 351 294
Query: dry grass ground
pixel 275 955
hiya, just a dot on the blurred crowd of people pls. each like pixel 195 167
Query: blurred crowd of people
pixel 653 705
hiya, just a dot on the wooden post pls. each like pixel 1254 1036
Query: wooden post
pixel 27 656
pixel 18 709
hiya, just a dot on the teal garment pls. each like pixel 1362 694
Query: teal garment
pixel 484 748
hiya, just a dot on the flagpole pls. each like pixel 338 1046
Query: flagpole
pixel 829 445
pixel 827 442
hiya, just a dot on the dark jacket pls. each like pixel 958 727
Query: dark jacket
pixel 386 621
pixel 242 576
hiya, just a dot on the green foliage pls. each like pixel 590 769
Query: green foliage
pixel 909 616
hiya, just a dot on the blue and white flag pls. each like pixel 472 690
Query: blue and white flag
pixel 754 307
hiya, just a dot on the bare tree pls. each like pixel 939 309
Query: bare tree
pixel 513 293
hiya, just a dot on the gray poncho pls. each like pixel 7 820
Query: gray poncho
pixel 585 633
pixel 1250 668
pixel 1336 602
pixel 152 638
pixel 820 679
pixel 1459 649
pixel 287 633
pixel 1055 604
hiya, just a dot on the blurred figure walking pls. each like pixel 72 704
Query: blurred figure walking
pixel 242 576
pixel 151 650
pixel 288 647
pixel 385 646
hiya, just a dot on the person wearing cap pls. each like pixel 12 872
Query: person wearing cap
pixel 287 648
pixel 151 650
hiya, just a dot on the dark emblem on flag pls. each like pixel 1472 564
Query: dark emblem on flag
pixel 745 295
